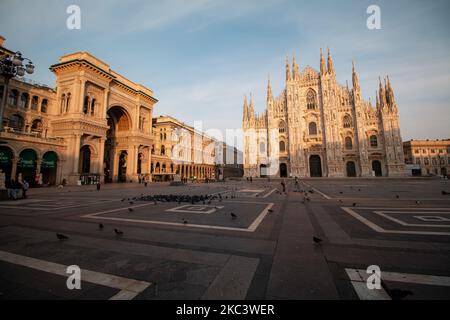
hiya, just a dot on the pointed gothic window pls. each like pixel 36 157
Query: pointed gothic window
pixel 281 127
pixel 282 146
pixel 312 128
pixel 348 143
pixel 347 121
pixel 311 100
pixel 374 141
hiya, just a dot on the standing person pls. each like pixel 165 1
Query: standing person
pixel 98 186
pixel 251 179
pixel 25 187
pixel 296 184
pixel 283 185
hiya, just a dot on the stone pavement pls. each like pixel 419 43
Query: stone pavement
pixel 267 252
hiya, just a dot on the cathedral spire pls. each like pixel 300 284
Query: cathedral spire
pixel 355 79
pixel 330 63
pixel 377 103
pixel 323 68
pixel 382 95
pixel 390 93
pixel 288 69
pixel 269 91
pixel 295 71
pixel 245 108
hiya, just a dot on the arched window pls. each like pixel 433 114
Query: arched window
pixel 281 127
pixel 347 121
pixel 312 128
pixel 36 126
pixel 86 105
pixel 24 101
pixel 68 103
pixel 93 107
pixel 44 105
pixel 311 100
pixel 373 141
pixel 163 150
pixel 63 103
pixel 282 146
pixel 34 103
pixel 12 98
pixel 348 143
pixel 16 122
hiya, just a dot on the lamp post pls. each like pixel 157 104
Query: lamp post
pixel 11 67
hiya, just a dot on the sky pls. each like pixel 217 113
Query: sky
pixel 200 57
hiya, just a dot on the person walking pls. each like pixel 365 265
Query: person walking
pixel 25 187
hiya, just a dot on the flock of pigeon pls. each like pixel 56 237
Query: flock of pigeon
pixel 206 199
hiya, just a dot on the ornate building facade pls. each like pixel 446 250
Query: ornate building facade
pixel 96 126
pixel 319 128
pixel 427 157
pixel 180 149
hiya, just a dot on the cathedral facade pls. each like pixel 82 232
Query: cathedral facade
pixel 319 128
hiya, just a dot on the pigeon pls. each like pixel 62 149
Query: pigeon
pixel 100 226
pixel 417 202
pixel 397 196
pixel 118 232
pixel 340 201
pixel 233 216
pixel 270 211
pixel 398 294
pixel 317 240
pixel 131 202
pixel 354 204
pixel 123 200
pixel 359 190
pixel 445 193
pixel 185 221
pixel 341 192
pixel 62 237
pixel 130 209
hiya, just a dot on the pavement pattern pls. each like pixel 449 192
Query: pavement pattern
pixel 254 242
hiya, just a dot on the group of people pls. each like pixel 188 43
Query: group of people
pixel 14 188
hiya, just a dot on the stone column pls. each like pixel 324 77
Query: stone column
pixel 14 168
pixel 76 153
pixel 101 158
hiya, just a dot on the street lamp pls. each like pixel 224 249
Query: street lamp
pixel 10 67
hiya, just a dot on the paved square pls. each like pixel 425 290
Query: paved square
pixel 251 242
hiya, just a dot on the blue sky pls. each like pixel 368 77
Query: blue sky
pixel 201 56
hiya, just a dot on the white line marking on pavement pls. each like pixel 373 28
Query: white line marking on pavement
pixel 379 229
pixel 318 191
pixel 251 228
pixel 129 288
pixel 358 278
pixel 268 194
pixel 400 222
